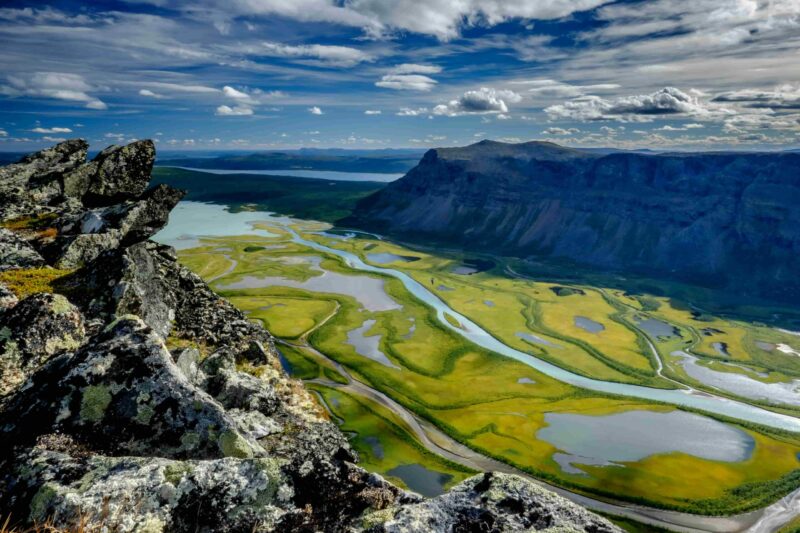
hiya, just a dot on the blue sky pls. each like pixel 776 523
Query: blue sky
pixel 272 74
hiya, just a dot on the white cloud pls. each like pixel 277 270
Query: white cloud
pixel 230 92
pixel 55 85
pixel 407 82
pixel 51 130
pixel 637 108
pixel 53 139
pixel 560 131
pixel 331 55
pixel 315 110
pixel 236 111
pixel 3 133
pixel 416 68
pixel 411 112
pixel 372 112
pixel 782 97
pixel 149 93
pixel 548 88
pixel 481 102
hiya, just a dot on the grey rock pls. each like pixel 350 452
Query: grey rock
pixel 36 329
pixel 27 187
pixel 99 230
pixel 17 253
pixel 492 502
pixel 123 173
pixel 131 494
pixel 122 395
pixel 238 390
pixel 128 281
pixel 7 299
pixel 188 361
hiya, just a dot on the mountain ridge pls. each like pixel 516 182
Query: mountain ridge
pixel 690 216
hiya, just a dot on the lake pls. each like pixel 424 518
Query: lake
pixel 303 173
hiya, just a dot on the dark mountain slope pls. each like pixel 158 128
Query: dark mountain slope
pixel 729 219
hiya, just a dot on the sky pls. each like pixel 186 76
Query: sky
pixel 282 74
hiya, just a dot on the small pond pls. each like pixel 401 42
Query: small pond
pixel 421 480
pixel 588 324
pixel 368 346
pixel 530 337
pixel 656 328
pixel 383 258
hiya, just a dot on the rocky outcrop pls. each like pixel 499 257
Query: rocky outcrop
pixel 722 219
pixel 122 400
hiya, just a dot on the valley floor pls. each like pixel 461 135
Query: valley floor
pixel 426 407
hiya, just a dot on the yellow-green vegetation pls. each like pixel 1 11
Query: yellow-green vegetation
pixel 24 282
pixel 382 440
pixel 493 404
pixel 35 222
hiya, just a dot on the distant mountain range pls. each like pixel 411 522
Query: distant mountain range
pixel 722 219
pixel 378 161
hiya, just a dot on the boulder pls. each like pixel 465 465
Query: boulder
pixel 36 329
pixel 491 502
pixel 122 394
pixel 85 237
pixel 17 253
pixel 143 494
pixel 123 173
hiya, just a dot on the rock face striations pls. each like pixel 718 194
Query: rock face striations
pixel 132 398
pixel 726 218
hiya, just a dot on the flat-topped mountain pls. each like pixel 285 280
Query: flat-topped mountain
pixel 725 218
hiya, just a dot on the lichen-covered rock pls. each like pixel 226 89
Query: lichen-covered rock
pixel 16 253
pixel 493 502
pixel 130 494
pixel 27 187
pixel 123 173
pixel 36 329
pixel 128 281
pixel 98 230
pixel 122 394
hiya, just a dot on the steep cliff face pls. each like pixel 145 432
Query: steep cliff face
pixel 123 401
pixel 730 218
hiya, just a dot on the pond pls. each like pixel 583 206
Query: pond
pixel 739 384
pixel 368 346
pixel 588 324
pixel 530 337
pixel 369 292
pixel 721 348
pixel 634 435
pixel 383 258
pixel 656 328
pixel 421 480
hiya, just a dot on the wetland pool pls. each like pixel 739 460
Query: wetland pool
pixel 634 435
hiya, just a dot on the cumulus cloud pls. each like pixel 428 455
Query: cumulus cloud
pixel 782 97
pixel 236 111
pixel 372 112
pixel 3 133
pixel 407 82
pixel 411 112
pixel 339 56
pixel 230 92
pixel 55 85
pixel 637 108
pixel 149 93
pixel 54 139
pixel 315 110
pixel 548 88
pixel 560 131
pixel 51 130
pixel 484 101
